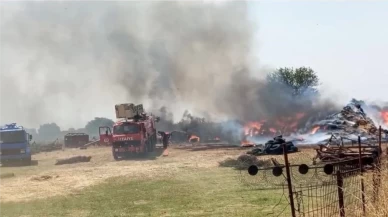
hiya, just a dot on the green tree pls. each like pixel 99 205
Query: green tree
pixel 299 81
pixel 49 131
pixel 93 125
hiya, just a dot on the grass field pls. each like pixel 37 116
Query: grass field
pixel 186 183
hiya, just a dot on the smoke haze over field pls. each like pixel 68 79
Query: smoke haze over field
pixel 68 62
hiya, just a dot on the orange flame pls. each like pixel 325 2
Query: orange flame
pixel 314 130
pixel 384 115
pixel 251 128
pixel 245 143
pixel 194 138
pixel 281 125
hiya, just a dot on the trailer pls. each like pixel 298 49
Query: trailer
pixel 76 140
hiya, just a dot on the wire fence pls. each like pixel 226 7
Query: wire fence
pixel 331 189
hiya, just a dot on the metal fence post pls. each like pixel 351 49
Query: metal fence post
pixel 340 194
pixel 289 184
pixel 377 180
pixel 361 173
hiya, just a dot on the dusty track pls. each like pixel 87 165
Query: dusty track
pixel 45 179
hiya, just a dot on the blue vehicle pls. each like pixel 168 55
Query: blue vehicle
pixel 14 144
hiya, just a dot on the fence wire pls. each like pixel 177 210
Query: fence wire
pixel 314 192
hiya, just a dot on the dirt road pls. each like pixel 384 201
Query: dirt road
pixel 44 179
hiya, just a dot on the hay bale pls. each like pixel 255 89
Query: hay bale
pixel 244 161
pixel 72 160
pixel 6 175
pixel 247 159
pixel 41 178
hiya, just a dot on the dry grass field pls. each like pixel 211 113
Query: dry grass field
pixel 188 182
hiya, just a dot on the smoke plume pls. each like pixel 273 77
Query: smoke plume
pixel 68 62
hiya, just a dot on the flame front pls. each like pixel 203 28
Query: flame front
pixel 194 138
pixel 314 130
pixel 282 125
pixel 384 115
pixel 245 143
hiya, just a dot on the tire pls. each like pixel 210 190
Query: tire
pixel 146 151
pixel 27 161
pixel 151 145
pixel 115 156
pixel 7 163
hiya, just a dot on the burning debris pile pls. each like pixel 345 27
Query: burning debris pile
pixel 308 127
pixel 351 120
pixel 355 119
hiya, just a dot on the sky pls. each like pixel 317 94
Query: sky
pixel 345 42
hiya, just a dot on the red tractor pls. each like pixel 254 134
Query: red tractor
pixel 133 134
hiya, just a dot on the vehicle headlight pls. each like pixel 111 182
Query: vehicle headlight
pixel 22 151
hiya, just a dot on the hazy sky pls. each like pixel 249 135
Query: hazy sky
pixel 346 42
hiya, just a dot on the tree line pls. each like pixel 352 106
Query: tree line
pixel 51 131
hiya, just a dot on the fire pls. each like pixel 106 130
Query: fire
pixel 194 138
pixel 384 115
pixel 314 130
pixel 279 126
pixel 245 143
pixel 251 128
pixel 282 125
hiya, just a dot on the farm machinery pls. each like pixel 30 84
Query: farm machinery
pixel 337 150
pixel 76 140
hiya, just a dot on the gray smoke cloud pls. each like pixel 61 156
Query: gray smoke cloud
pixel 70 61
pixel 67 62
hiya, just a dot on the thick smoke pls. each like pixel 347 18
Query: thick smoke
pixel 68 62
